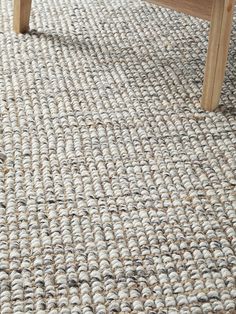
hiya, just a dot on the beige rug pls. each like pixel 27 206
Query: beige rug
pixel 117 192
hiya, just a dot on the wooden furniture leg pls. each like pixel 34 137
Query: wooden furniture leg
pixel 220 15
pixel 221 24
pixel 22 15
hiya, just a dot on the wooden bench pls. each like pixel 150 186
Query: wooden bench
pixel 218 12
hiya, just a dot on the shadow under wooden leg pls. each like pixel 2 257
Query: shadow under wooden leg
pixel 221 24
pixel 22 15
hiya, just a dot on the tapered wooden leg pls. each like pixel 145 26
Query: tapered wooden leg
pixel 221 24
pixel 22 15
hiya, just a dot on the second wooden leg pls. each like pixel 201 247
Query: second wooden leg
pixel 221 24
pixel 21 15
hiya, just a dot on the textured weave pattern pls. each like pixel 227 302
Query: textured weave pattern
pixel 117 192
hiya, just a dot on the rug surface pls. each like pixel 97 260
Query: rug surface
pixel 117 192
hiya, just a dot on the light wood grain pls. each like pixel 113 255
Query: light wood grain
pixel 22 15
pixel 198 8
pixel 221 24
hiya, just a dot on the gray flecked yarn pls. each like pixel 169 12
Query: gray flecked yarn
pixel 117 192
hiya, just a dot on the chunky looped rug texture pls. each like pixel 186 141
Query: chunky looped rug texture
pixel 117 192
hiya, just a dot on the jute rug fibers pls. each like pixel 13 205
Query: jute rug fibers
pixel 117 192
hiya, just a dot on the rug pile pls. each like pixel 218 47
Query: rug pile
pixel 117 192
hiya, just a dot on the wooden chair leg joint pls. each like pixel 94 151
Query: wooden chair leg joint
pixel 220 14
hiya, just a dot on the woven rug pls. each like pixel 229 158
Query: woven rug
pixel 117 192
